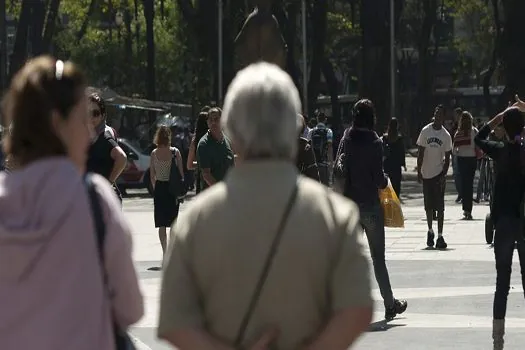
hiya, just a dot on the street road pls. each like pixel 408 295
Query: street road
pixel 449 292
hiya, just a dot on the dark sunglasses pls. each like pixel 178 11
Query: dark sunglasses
pixel 95 113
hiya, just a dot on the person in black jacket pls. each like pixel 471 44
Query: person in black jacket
pixel 507 205
pixel 394 147
pixel 363 168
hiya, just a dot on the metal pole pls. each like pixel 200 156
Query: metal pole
pixel 219 31
pixel 305 64
pixel 392 61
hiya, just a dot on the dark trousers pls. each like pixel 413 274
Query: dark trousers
pixel 467 170
pixel 324 173
pixel 508 231
pixel 394 174
pixel 373 223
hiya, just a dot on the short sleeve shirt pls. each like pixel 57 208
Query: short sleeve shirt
pixel 99 156
pixel 436 143
pixel 329 133
pixel 214 155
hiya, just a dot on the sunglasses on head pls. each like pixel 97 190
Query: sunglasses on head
pixel 95 113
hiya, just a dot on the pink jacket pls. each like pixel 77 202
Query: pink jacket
pixel 51 288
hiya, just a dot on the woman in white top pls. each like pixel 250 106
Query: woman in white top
pixel 465 151
pixel 166 205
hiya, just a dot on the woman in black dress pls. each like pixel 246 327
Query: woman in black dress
pixel 166 205
pixel 394 155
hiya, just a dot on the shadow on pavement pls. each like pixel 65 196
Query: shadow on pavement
pixel 382 326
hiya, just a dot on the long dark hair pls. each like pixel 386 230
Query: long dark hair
pixel 201 127
pixel 393 129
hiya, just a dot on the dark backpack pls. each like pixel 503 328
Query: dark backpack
pixel 319 143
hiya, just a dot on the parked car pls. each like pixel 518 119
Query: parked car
pixel 136 174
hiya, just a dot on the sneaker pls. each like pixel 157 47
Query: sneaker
pixel 476 200
pixel 458 200
pixel 467 216
pixel 440 243
pixel 430 238
pixel 399 307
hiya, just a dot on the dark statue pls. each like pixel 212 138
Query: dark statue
pixel 260 38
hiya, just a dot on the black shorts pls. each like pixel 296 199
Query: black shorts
pixel 434 194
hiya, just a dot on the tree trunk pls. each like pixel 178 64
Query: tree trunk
pixel 375 72
pixel 333 88
pixel 487 79
pixel 318 34
pixel 50 25
pixel 38 15
pixel 83 28
pixel 513 50
pixel 19 54
pixel 149 12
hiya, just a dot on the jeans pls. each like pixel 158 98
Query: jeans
pixel 467 170
pixel 508 232
pixel 372 221
pixel 457 172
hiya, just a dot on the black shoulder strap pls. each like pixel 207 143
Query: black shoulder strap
pixel 266 269
pixel 96 211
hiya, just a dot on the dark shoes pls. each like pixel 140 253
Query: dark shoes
pixel 399 307
pixel 430 238
pixel 467 216
pixel 440 243
pixel 458 200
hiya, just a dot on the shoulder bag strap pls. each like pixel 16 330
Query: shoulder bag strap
pixel 266 269
pixel 96 210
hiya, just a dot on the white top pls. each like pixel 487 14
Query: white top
pixel 436 143
pixel 467 150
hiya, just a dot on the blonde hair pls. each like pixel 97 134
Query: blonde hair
pixel 162 136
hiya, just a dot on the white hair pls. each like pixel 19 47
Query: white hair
pixel 260 112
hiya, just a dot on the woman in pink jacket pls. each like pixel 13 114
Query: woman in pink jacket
pixel 52 290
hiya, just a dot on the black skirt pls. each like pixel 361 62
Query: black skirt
pixel 166 206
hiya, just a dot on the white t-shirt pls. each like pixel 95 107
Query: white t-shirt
pixel 436 143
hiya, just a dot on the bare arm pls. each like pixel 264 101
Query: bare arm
pixel 447 163
pixel 208 177
pixel 420 157
pixel 152 174
pixel 343 329
pixel 120 158
pixel 179 163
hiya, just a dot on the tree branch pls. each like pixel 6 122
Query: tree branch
pixel 83 29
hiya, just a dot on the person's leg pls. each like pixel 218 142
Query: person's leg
pixel 439 204
pixel 163 239
pixel 468 188
pixel 323 173
pixel 504 241
pixel 395 179
pixel 429 209
pixel 481 181
pixel 373 224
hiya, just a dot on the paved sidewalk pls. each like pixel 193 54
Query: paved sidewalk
pixel 449 292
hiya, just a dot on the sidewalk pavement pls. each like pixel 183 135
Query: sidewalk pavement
pixel 449 292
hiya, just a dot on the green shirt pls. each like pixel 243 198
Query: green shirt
pixel 214 155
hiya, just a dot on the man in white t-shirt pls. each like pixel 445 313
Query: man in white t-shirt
pixel 434 150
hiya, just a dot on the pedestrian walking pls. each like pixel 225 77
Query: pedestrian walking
pixel 433 160
pixel 290 283
pixel 306 163
pixel 465 154
pixel 394 155
pixel 363 162
pixel 507 205
pixel 105 158
pixel 166 204
pixel 455 168
pixel 67 279
pixel 214 152
pixel 321 138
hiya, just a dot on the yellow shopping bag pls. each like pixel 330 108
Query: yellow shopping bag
pixel 391 207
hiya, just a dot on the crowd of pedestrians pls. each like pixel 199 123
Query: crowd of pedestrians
pixel 67 279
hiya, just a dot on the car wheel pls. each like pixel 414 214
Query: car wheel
pixel 147 183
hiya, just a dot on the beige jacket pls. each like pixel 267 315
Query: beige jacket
pixel 220 244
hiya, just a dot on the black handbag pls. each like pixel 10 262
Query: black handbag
pixel 122 339
pixel 176 184
pixel 266 269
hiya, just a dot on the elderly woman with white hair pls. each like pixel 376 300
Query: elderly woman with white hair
pixel 245 269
